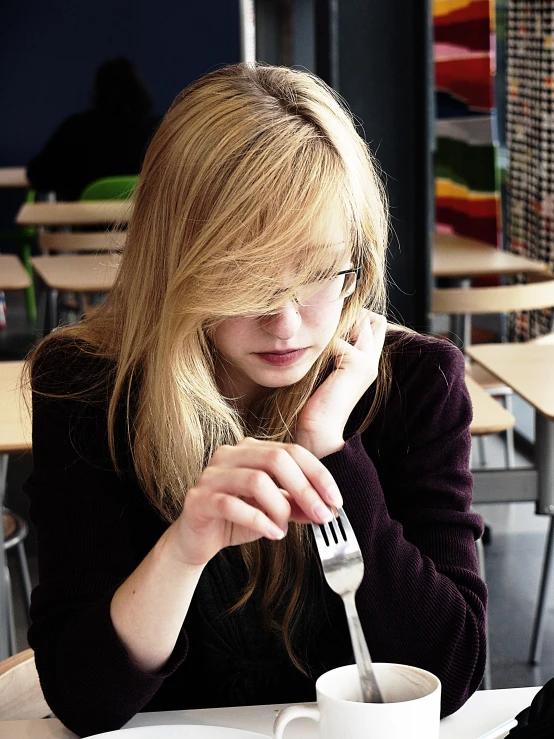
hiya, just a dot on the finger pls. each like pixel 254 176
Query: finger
pixel 240 513
pixel 296 513
pixel 297 470
pixel 320 479
pixel 371 334
pixel 356 328
pixel 248 483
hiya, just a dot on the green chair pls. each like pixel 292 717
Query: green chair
pixel 111 188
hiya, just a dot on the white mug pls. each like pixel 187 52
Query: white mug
pixel 411 708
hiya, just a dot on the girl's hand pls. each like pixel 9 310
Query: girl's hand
pixel 248 491
pixel 321 423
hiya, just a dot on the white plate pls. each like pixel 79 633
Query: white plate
pixel 172 731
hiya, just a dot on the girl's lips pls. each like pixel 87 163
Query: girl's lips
pixel 281 359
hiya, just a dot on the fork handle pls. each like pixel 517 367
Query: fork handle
pixel 370 689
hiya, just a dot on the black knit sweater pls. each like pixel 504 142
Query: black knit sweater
pixel 407 491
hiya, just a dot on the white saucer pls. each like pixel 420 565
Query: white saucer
pixel 172 731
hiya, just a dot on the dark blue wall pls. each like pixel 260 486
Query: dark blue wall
pixel 49 52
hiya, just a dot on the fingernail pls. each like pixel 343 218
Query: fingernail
pixel 321 511
pixel 335 497
pixel 274 531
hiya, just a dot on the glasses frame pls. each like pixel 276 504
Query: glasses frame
pixel 353 270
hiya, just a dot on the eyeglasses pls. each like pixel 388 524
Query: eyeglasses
pixel 322 292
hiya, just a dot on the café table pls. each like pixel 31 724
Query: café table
pixel 73 273
pixel 78 213
pixel 528 368
pixel 13 177
pixel 457 257
pixel 461 259
pixel 485 710
pixel 15 438
pixel 13 275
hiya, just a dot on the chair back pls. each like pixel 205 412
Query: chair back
pixel 538 293
pixel 489 417
pixel 22 696
pixel 111 188
pixel 96 241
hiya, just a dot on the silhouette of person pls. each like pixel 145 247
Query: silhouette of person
pixel 108 139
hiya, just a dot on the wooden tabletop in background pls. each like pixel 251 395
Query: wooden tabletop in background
pixel 88 212
pixel 455 256
pixel 15 418
pixel 78 272
pixel 13 177
pixel 13 275
pixel 527 368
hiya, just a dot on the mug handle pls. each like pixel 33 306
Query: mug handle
pixel 304 710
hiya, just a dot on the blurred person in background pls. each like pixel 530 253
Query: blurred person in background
pixel 108 139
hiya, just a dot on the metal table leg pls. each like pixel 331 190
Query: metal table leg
pixel 460 325
pixel 4 599
pixel 544 456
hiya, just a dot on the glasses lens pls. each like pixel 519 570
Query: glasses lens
pixel 326 291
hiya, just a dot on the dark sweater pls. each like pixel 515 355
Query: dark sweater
pixel 88 146
pixel 407 491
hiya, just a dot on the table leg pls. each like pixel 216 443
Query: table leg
pixel 4 600
pixel 460 325
pixel 52 311
pixel 544 455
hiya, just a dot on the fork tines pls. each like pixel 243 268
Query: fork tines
pixel 337 531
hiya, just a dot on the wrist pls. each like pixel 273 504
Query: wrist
pixel 169 549
pixel 320 446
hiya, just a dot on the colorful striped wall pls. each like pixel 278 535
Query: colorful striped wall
pixel 467 196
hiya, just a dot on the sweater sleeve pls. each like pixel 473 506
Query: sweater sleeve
pixel 86 524
pixel 407 495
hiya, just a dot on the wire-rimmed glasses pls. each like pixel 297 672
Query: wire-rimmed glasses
pixel 321 292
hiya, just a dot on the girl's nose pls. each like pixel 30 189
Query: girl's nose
pixel 285 324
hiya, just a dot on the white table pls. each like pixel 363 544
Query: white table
pixel 484 710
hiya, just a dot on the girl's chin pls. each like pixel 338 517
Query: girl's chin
pixel 281 376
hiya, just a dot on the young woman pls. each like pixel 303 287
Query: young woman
pixel 235 384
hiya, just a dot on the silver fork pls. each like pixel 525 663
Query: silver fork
pixel 343 568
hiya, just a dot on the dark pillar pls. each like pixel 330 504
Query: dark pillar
pixel 382 51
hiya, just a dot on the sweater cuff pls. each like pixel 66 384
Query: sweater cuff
pixel 102 653
pixel 350 461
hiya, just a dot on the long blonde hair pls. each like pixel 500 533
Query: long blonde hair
pixel 245 162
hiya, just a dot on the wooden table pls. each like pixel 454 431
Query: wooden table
pixel 529 370
pixel 75 273
pixel 15 437
pixel 75 214
pixel 13 177
pixel 457 257
pixel 460 259
pixel 80 273
pixel 485 710
pixel 13 275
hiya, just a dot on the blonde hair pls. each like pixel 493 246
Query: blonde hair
pixel 245 162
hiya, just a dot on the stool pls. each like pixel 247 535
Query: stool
pixel 15 532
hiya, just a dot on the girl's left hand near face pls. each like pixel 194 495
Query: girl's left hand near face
pixel 321 423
